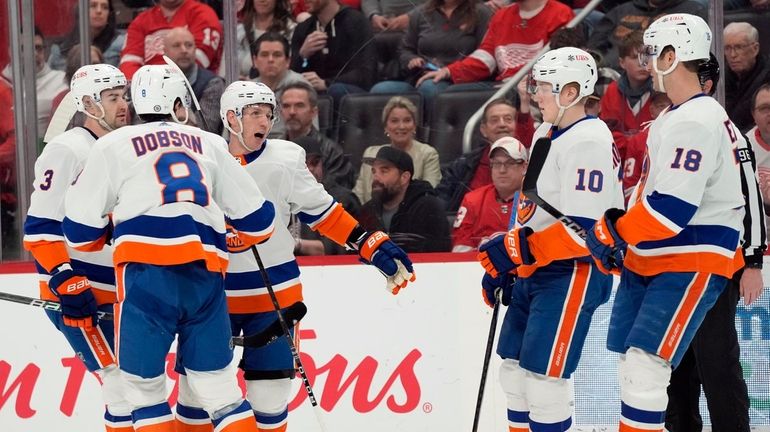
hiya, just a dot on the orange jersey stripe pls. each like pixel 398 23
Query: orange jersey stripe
pixel 48 254
pixel 119 429
pixel 248 424
pixel 628 428
pixel 128 251
pixel 99 346
pixel 518 429
pixel 181 426
pixel 706 262
pixel 262 302
pixel 572 305
pixel 687 305
pixel 337 225
pixel 120 291
pixel 640 225
pixel 554 243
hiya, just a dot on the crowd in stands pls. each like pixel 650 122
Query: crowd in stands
pixel 313 53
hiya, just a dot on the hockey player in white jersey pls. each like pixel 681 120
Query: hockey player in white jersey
pixel 678 243
pixel 98 92
pixel 557 287
pixel 168 188
pixel 248 111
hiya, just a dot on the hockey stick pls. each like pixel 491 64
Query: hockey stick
pixel 287 335
pixel 537 157
pixel 487 358
pixel 293 313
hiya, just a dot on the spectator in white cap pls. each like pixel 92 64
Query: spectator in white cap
pixel 487 210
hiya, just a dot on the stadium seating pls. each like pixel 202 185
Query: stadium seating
pixel 450 114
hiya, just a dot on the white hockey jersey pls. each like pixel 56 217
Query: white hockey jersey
pixel 168 187
pixel 280 170
pixel 56 168
pixel 686 214
pixel 581 178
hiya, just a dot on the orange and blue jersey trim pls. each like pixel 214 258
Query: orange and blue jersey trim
pixel 102 280
pixel 246 291
pixel 257 226
pixel 85 238
pixel 655 217
pixel 556 243
pixel 334 223
pixel 573 304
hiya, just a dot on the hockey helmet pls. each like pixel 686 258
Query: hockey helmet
pixel 155 88
pixel 241 94
pixel 563 66
pixel 92 80
pixel 689 35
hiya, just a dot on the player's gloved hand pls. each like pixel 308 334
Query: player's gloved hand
pixel 377 249
pixel 605 244
pixel 504 253
pixel 78 303
pixel 234 242
pixel 490 285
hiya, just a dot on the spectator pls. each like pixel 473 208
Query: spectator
pixel 514 37
pixel 440 32
pixel 270 57
pixel 311 240
pixel 144 42
pixel 299 107
pixel 626 103
pixel 405 208
pixel 399 117
pixel 759 137
pixel 389 20
pixel 487 210
pixel 471 170
pixel 104 35
pixel 73 64
pixel 747 70
pixel 332 51
pixel 635 15
pixel 260 17
pixel 179 45
pixel 49 84
pixel 8 198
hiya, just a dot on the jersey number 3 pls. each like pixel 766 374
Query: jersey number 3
pixel 182 179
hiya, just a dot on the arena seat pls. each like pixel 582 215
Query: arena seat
pixel 360 122
pixel 450 114
pixel 325 115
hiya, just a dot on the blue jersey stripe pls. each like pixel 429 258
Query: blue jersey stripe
pixel 672 208
pixel 35 225
pixel 169 228
pixel 253 279
pixel 310 219
pixel 81 233
pixel 256 221
pixel 714 235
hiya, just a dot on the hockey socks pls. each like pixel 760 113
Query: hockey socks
pixel 637 420
pixel 272 422
pixel 155 418
pixel 561 426
pixel 241 419
pixel 190 419
pixel 518 421
pixel 114 423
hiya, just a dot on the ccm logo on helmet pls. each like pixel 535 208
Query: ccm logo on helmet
pixel 77 286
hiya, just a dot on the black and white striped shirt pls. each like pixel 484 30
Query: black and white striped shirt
pixel 754 230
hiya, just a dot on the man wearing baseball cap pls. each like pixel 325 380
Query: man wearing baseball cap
pixel 487 210
pixel 407 209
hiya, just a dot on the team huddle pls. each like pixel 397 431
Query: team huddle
pixel 184 236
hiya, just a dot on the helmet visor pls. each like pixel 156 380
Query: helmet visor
pixel 646 53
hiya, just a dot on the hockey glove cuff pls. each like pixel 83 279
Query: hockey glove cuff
pixel 504 253
pixel 606 246
pixel 377 249
pixel 78 303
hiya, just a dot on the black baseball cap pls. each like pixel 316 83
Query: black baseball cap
pixel 399 158
pixel 311 145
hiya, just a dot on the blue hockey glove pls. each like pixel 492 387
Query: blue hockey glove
pixel 490 285
pixel 78 303
pixel 377 249
pixel 504 253
pixel 605 244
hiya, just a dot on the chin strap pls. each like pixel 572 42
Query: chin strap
pixel 663 73
pixel 186 116
pixel 100 119
pixel 562 109
pixel 239 135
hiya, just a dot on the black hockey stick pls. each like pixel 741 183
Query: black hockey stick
pixel 537 157
pixel 487 358
pixel 287 335
pixel 294 313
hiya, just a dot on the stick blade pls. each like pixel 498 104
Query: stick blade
pixel 537 156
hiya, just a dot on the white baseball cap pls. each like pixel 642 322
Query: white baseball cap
pixel 512 146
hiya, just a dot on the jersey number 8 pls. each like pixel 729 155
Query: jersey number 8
pixel 182 179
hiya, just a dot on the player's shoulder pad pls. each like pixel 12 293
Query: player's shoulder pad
pixel 284 152
pixel 76 141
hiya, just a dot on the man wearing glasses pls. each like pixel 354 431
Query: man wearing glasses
pixel 487 210
pixel 747 70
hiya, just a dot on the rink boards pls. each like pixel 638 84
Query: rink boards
pixel 379 362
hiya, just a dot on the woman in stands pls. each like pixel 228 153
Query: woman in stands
pixel 259 17
pixel 104 35
pixel 399 117
pixel 439 32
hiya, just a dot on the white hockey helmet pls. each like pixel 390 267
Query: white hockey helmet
pixel 567 65
pixel 241 94
pixel 689 35
pixel 155 88
pixel 92 80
